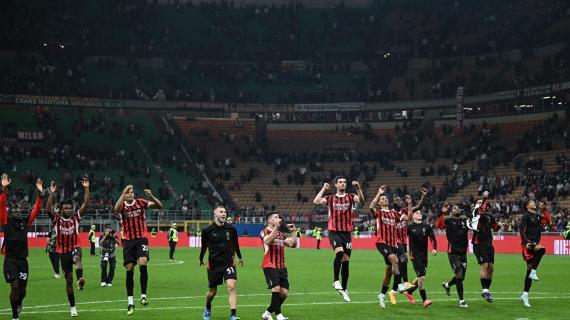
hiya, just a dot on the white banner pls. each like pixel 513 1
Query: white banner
pixel 195 242
pixel 312 107
pixel 562 247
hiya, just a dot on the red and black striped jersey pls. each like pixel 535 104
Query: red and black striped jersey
pixel 340 211
pixel 133 219
pixel 66 232
pixel 274 253
pixel 386 226
pixel 402 229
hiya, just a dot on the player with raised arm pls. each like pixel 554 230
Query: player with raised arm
pixel 340 217
pixel 483 224
pixel 275 237
pixel 131 213
pixel 457 233
pixel 386 240
pixel 419 233
pixel 66 227
pixel 15 244
pixel 221 240
pixel 530 230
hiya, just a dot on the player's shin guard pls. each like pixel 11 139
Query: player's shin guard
pixel 397 281
pixel 404 269
pixel 459 286
pixel 527 282
pixel 14 295
pixel 130 282
pixel 489 283
pixel 275 303
pixel 71 299
pixel 79 273
pixel 345 273
pixel 538 257
pixel 423 294
pixel 336 265
pixel 144 279
pixel 384 289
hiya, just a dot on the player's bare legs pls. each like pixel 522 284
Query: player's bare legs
pixel 232 294
pixel 209 298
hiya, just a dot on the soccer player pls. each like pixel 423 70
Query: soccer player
pixel 275 237
pixel 483 224
pixel 221 240
pixel 402 238
pixel 66 228
pixel 340 219
pixel 530 230
pixel 15 245
pixel 456 232
pixel 419 232
pixel 386 240
pixel 131 212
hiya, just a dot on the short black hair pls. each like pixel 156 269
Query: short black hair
pixel 269 214
pixel 67 201
pixel 338 178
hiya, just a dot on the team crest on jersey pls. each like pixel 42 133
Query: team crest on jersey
pixel 228 235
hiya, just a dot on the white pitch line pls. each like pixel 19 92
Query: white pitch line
pixel 253 305
pixel 265 294
pixel 166 263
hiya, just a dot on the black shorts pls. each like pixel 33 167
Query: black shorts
pixel 485 253
pixel 135 249
pixel 15 269
pixel 217 276
pixel 386 250
pixel 402 249
pixel 458 262
pixel 341 239
pixel 66 260
pixel 276 277
pixel 420 266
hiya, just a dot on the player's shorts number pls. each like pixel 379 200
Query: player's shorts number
pixel 230 270
pixel 144 247
pixel 349 245
pixel 23 276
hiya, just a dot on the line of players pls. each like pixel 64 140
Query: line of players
pixel 393 225
pixel 401 224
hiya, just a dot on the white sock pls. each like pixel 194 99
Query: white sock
pixel 143 296
pixel 462 301
pixel 131 300
pixel 525 294
pixel 533 270
pixel 485 290
pixel 447 285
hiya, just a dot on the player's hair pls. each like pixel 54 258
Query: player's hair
pixel 67 201
pixel 219 207
pixel 269 214
pixel 528 202
pixel 338 178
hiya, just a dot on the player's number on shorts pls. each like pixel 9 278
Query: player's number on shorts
pixel 23 276
pixel 230 270
pixel 144 247
pixel 349 246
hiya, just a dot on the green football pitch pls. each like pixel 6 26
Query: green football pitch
pixel 176 290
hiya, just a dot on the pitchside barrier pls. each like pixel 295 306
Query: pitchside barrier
pixel 503 243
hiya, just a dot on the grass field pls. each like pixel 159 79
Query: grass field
pixel 176 290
